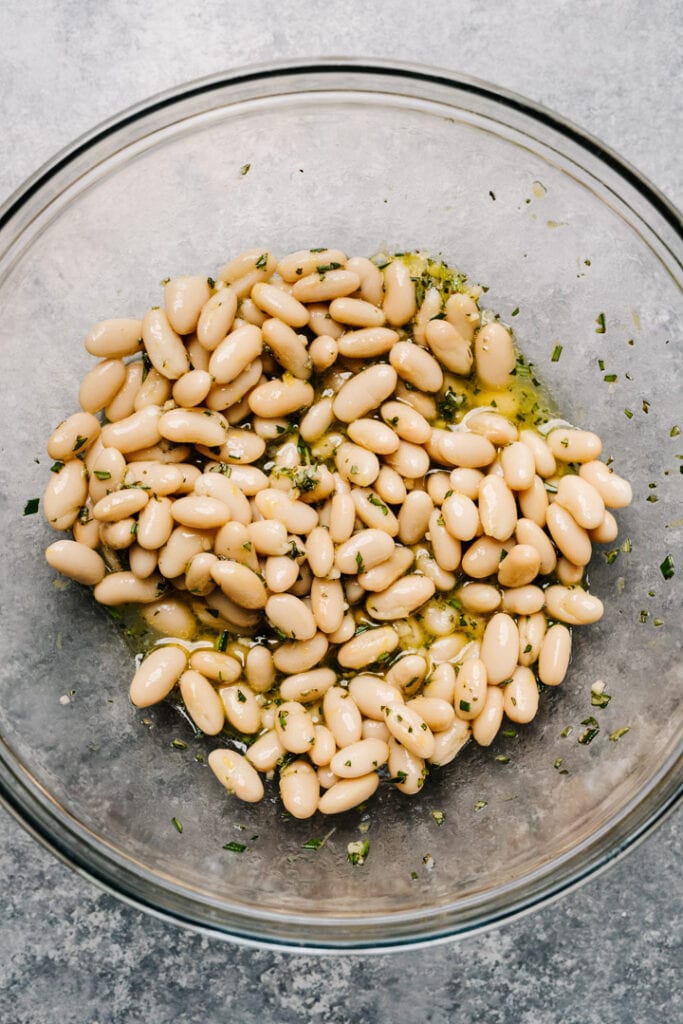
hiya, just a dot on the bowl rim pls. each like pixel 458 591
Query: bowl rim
pixel 69 840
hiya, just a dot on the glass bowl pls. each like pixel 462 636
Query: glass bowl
pixel 568 239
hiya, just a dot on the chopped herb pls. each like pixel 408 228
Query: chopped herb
pixel 600 700
pixel 449 404
pixel 510 733
pixel 441 521
pixel 179 744
pixel 557 352
pixel 354 470
pixel 247 545
pixel 235 847
pixel 658 622
pixel 674 432
pixel 601 364
pixel 515 311
pixel 667 567
pixel 244 169
pixel 612 556
pixel 618 733
pixel 627 547
pixel 480 804
pixel 652 498
pixel 312 844
pixel 177 824
pixel 557 763
pixel 493 195
pixel 31 506
pixel 262 261
pixel 551 488
pixel 146 366
pixel 628 414
pixel 591 732
pixel 465 705
pixel 378 504
pixel 79 442
pixel 644 616
pixel 240 697
pixel 103 474
pixel 359 562
pixel 438 817
pixel 56 467
pixel 528 649
pixel 399 777
pixel 327 267
pixel 602 325
pixel 502 759
pixel 221 641
pixel 282 719
pixel 646 406
pixel 567 730
pixel 610 378
pixel 211 283
pixel 319 249
pixel 358 851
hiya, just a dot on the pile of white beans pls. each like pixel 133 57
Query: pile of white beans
pixel 356 537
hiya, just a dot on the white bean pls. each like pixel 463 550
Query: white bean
pixel 500 647
pixel 520 697
pixel 235 773
pixel 299 789
pixel 364 392
pixel 368 647
pixel 157 675
pixel 574 606
pixel 409 729
pixel 486 725
pixel 399 302
pixel 614 490
pixel 184 298
pixel 569 445
pixel 77 561
pixel 415 365
pixel 290 616
pixel 348 793
pixel 494 355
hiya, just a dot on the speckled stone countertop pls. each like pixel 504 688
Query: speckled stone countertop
pixel 610 951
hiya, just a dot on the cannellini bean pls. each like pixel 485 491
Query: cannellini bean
pixel 371 694
pixel 100 386
pixel 202 702
pixel 494 355
pixel 381 576
pixel 374 436
pixel 430 309
pixel 480 598
pixel 240 584
pixel 326 285
pixel 447 548
pixel 368 647
pixel 461 449
pixel 364 392
pixel 216 318
pixel 259 669
pixel 485 727
pixel 107 471
pixel 278 304
pixel 533 503
pixel 408 673
pixel 483 557
pixel 280 397
pixel 235 773
pixel 360 758
pixel 356 464
pixel 137 431
pixel 570 538
pixel 304 262
pixel 281 573
pixel 357 313
pixel 371 281
pixel 364 550
pixel 299 789
pixel 411 461
pixel 229 396
pixel 437 713
pixel 120 505
pixel 302 655
pixel 348 793
pixel 114 339
pixel 520 697
pixel 241 707
pixel 375 730
pixel 402 598
pixel 574 606
pixel 294 727
pixel 288 347
pixel 448 744
pixel 497 510
pixel 269 537
pixel 544 460
pixel 73 436
pixel 414 517
pixel 399 302
pixel 324 747
pixel 390 486
pixel 441 578
pixel 520 567
pixel 327 604
pixel 406 725
pixel 126 588
pixel 216 665
pixel 569 445
pixel 523 600
pixel 170 617
pixel 406 771
pixel 519 467
pixel 119 535
pixel 157 675
pixel 163 345
pixel 553 660
pixel 323 352
pixel 297 517
pixel 137 393
pixel 192 388
pixel 531 632
pixel 415 365
pixel 65 495
pixel 198 578
pixel 469 695
pixel 320 551
pixel 463 314
pixel 581 500
pixel 229 614
pixel 317 420
pixel 372 511
pixel 528 532
pixel 322 324
pixel 441 683
pixel 200 512
pixel 500 647
pixel 567 573
pixel 87 533
pixel 449 346
pixel 266 751
pixel 235 353
pixel 606 531
pixel 232 541
pixel 495 427
pixel 309 686
pixel 342 716
pixel 326 778
pixel 368 342
pixel 184 298
pixel 161 479
pixel 77 561
pixel 290 616
pixel 406 422
pixel 613 489
pixel 460 516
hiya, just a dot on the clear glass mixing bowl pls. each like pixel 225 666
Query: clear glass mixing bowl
pixel 362 158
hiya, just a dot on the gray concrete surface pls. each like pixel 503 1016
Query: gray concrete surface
pixel 606 953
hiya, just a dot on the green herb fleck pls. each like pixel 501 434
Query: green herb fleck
pixel 612 556
pixel 502 759
pixel 610 378
pixel 211 282
pixel 31 506
pixel 103 474
pixel 177 824
pixel 241 698
pixel 628 414
pixel 600 700
pixel 262 261
pixel 627 547
pixel 465 705
pixel 674 432
pixel 400 777
pixel 510 733
pixel 557 352
pixel 358 851
pixel 601 364
pixel 602 325
pixel 591 731
pixel 56 467
pixel 438 817
pixel 667 567
pixel 221 641
pixel 618 733
pixel 244 169
pixel 179 744
pixel 235 847
pixel 644 615
pixel 378 504
pixel 79 442
pixel 567 730
pixel 359 562
pixel 480 804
